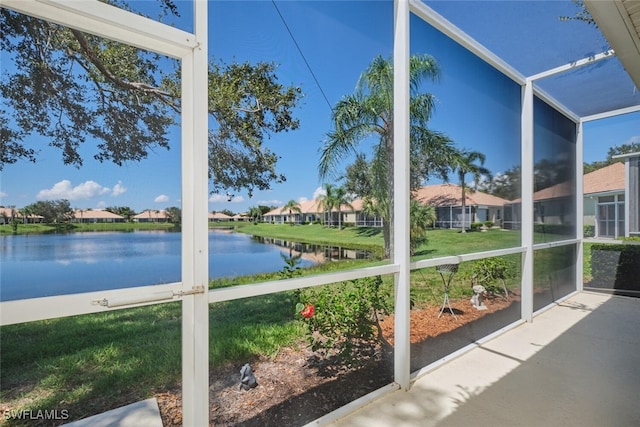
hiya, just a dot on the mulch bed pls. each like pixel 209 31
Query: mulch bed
pixel 297 387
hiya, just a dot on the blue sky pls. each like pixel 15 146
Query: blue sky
pixel 476 107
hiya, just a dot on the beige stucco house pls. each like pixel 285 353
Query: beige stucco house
pixel 447 199
pixel 604 202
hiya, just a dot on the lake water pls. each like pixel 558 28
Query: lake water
pixel 38 265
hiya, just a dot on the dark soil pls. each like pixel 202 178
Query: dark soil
pixel 297 387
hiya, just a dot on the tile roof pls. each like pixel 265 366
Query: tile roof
pixel 151 214
pixel 610 178
pixel 219 215
pixel 441 195
pixel 315 206
pixel 95 214
pixel 9 212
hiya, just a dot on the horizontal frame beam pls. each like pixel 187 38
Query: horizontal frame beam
pixel 110 22
pixel 573 65
pixel 446 27
pixel 32 309
pixel 265 288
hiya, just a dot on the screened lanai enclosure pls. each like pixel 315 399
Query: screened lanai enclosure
pixel 516 82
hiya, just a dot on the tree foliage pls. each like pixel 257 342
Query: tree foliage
pixel 255 213
pixel 358 180
pixel 70 89
pixel 335 197
pixel 52 211
pixel 327 202
pixel 369 112
pixel 290 207
pixel 174 214
pixel 632 147
pixel 344 318
pixel 469 162
pixel 582 14
pixel 421 218
pixel 124 211
pixel 506 184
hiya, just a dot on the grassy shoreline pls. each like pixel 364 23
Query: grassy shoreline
pixel 6 229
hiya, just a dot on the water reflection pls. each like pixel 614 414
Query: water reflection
pixel 55 264
pixel 316 253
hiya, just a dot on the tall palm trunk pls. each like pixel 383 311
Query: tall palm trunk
pixel 464 204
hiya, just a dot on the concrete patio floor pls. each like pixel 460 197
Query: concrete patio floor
pixel 576 364
pixel 140 414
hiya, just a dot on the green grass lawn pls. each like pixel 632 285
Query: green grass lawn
pixel 350 237
pixel 91 363
pixel 439 242
pixel 114 226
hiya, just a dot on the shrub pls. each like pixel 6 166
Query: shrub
pixel 291 266
pixel 488 224
pixel 491 273
pixel 476 225
pixel 560 229
pixel 343 319
pixel 615 266
pixel 589 230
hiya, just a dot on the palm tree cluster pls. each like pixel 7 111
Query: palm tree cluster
pixel 334 198
pixel 369 112
pixel 291 206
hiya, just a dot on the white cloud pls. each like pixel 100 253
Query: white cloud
pixel 118 189
pixel 161 199
pixel 633 140
pixel 273 202
pixel 302 199
pixel 226 198
pixel 319 192
pixel 64 190
pixel 3 194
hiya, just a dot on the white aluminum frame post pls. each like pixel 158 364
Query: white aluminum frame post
pixel 113 23
pixel 526 209
pixel 401 166
pixel 195 236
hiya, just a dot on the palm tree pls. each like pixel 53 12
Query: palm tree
pixel 341 198
pixel 421 217
pixel 464 163
pixel 291 206
pixel 255 213
pixel 326 202
pixel 26 212
pixel 369 112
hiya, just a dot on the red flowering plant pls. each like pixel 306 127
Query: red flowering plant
pixel 344 317
pixel 305 310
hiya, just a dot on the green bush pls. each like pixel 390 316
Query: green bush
pixel 589 230
pixel 491 273
pixel 560 229
pixel 615 266
pixel 475 226
pixel 343 319
pixel 488 224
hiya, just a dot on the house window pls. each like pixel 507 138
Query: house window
pixel 610 216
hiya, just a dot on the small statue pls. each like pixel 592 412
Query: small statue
pixel 247 379
pixel 477 300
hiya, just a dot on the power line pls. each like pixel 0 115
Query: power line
pixel 302 55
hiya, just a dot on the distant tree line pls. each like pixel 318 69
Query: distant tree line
pixel 633 147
